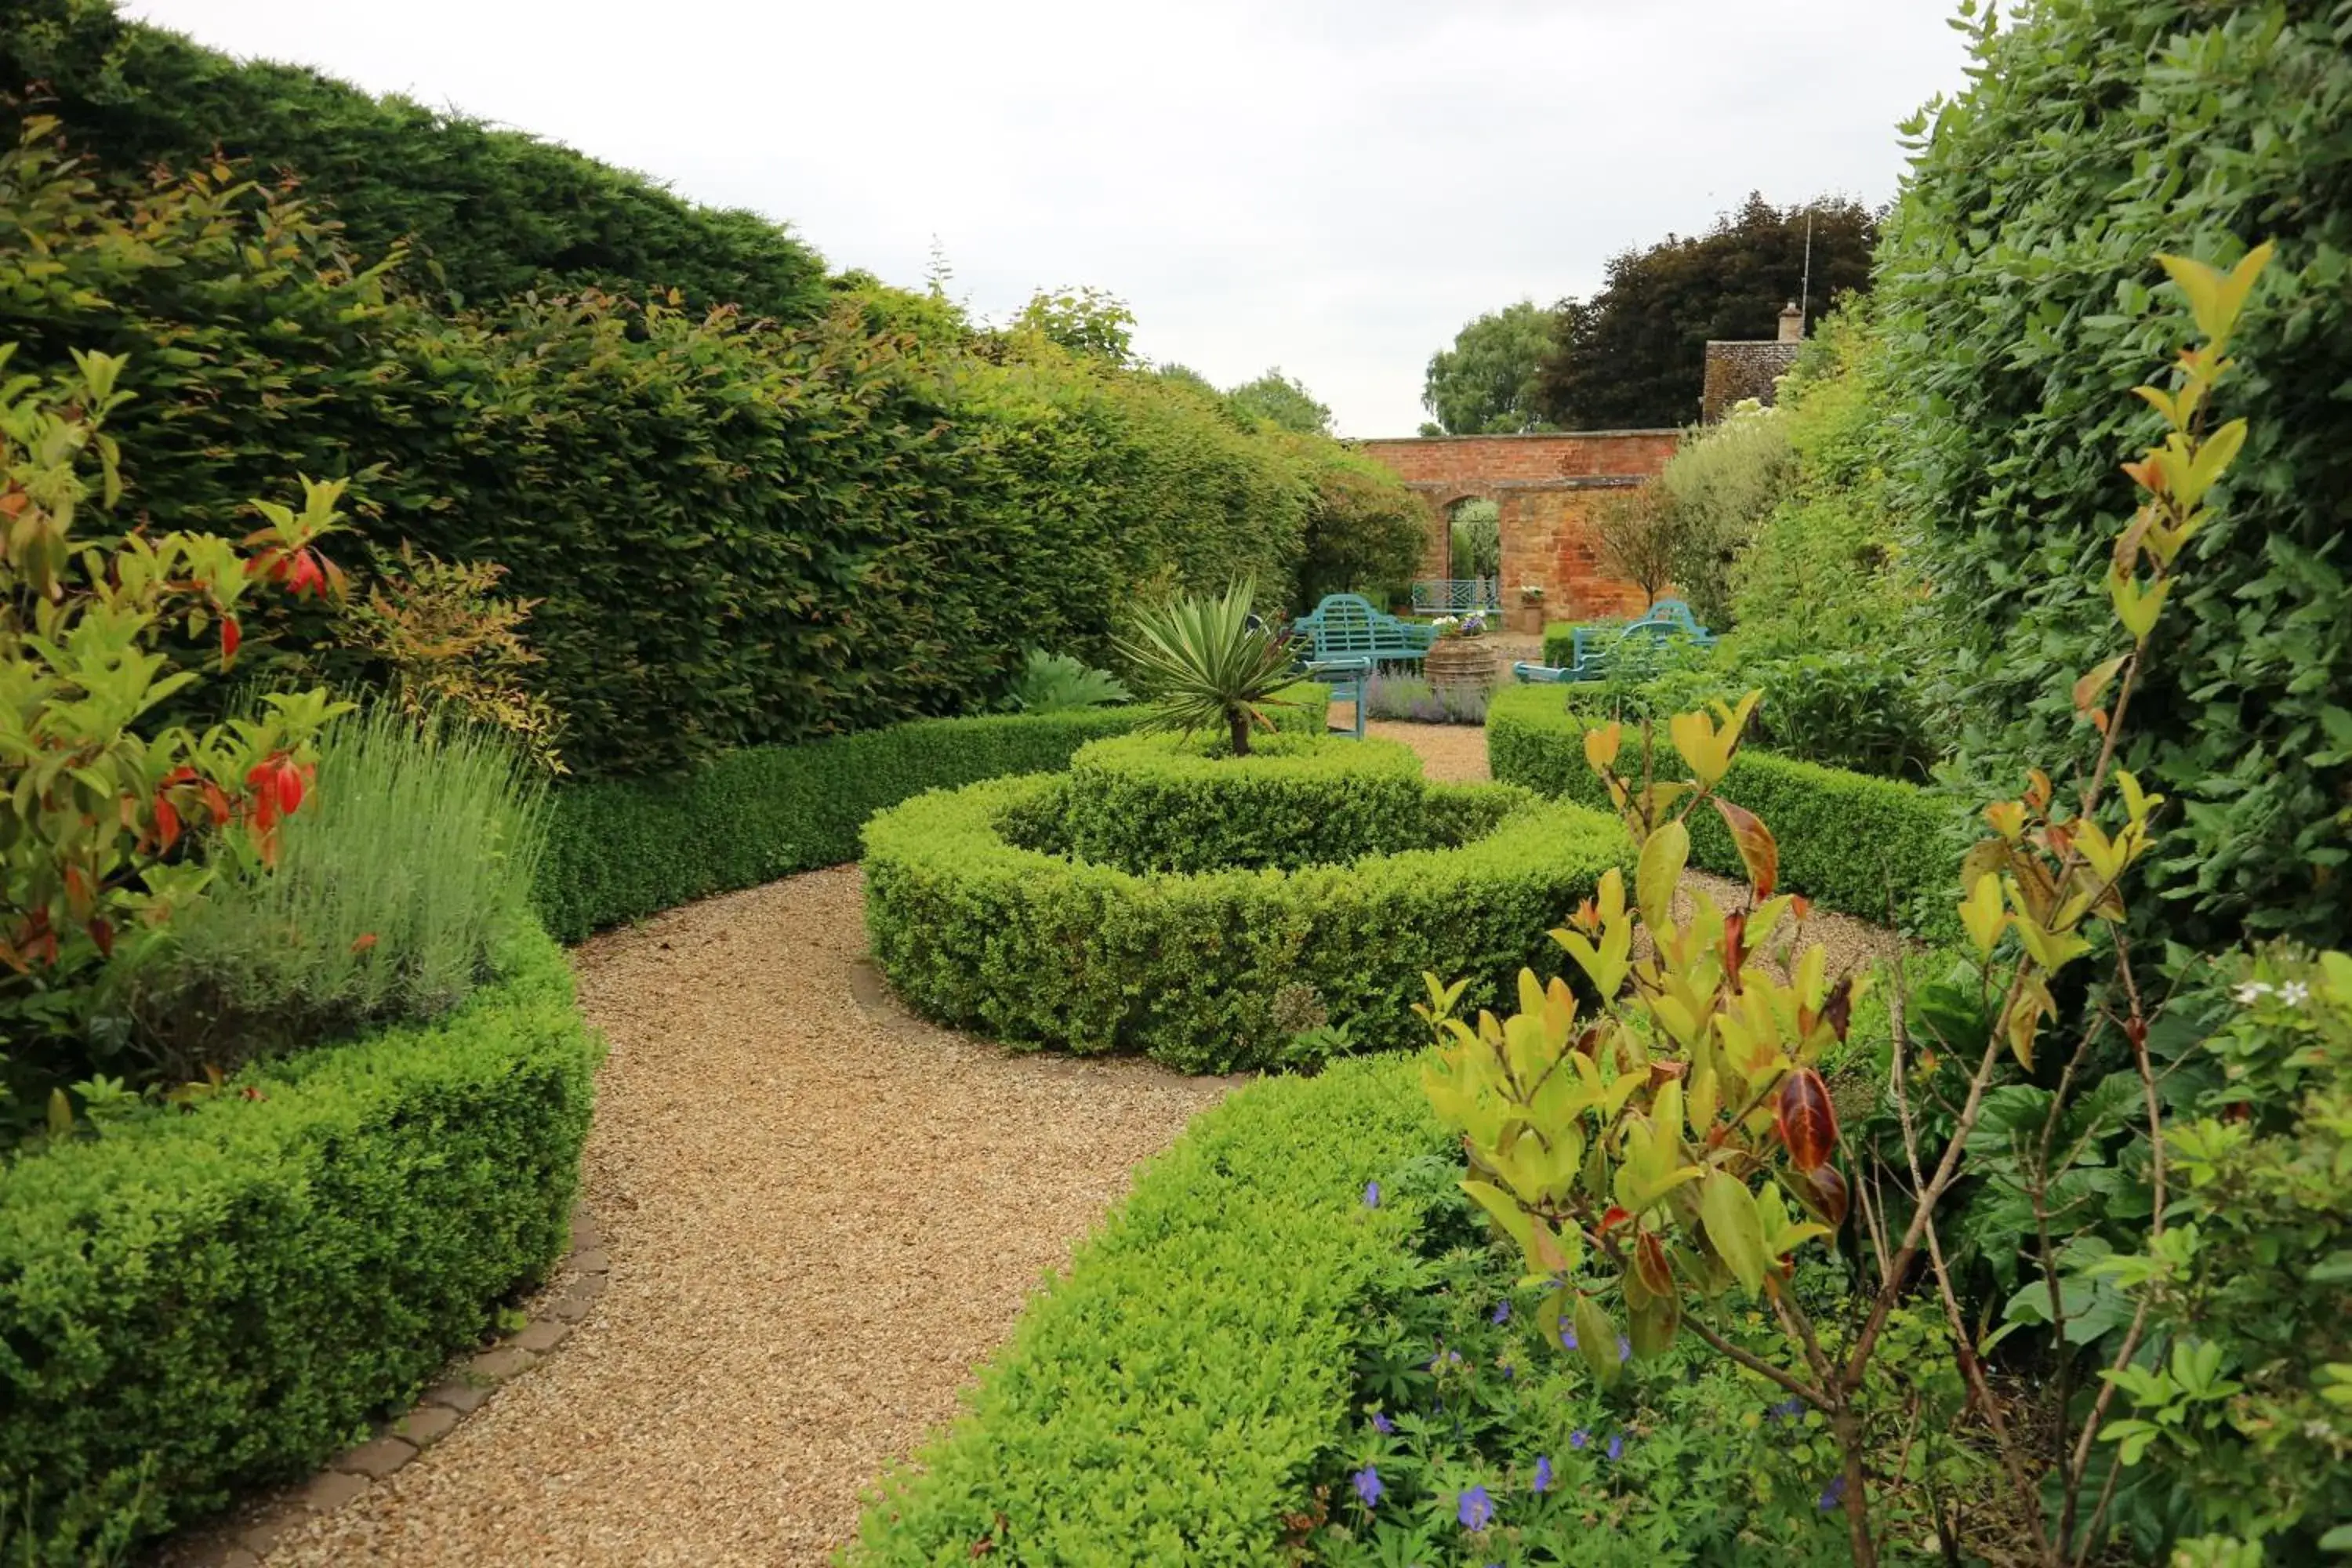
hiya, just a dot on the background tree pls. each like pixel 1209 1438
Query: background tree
pixel 1636 536
pixel 1281 400
pixel 1092 322
pixel 1485 383
pixel 1633 355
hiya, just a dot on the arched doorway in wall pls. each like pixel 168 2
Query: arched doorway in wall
pixel 1474 556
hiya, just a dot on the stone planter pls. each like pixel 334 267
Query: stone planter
pixel 1460 661
pixel 1527 620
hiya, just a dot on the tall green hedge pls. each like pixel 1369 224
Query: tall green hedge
pixel 1870 847
pixel 492 212
pixel 1166 1400
pixel 735 533
pixel 193 1304
pixel 2023 303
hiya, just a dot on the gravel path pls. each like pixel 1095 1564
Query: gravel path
pixel 818 1225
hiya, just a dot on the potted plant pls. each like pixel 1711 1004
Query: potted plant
pixel 1530 618
pixel 1461 655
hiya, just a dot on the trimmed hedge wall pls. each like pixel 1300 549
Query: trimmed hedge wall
pixel 620 849
pixel 1166 1400
pixel 1028 946
pixel 193 1304
pixel 1153 802
pixel 1855 843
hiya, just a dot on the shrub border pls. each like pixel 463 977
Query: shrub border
pixel 1031 948
pixel 1166 1399
pixel 159 1274
pixel 620 849
pixel 1849 840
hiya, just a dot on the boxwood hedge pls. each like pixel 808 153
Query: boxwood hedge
pixel 1166 1400
pixel 1158 803
pixel 193 1303
pixel 1027 946
pixel 1866 846
pixel 619 850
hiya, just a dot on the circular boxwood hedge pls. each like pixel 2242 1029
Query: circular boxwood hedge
pixel 981 920
pixel 1159 803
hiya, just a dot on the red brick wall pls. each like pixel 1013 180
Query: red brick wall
pixel 1546 488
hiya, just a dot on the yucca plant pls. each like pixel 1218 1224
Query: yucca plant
pixel 1204 664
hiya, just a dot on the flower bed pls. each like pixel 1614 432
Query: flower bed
pixel 981 921
pixel 196 1302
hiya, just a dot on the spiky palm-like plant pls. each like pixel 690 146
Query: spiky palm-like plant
pixel 1205 665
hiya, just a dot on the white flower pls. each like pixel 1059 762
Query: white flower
pixel 2251 992
pixel 2295 994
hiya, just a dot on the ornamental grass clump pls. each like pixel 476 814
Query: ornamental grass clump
pixel 1207 665
pixel 386 902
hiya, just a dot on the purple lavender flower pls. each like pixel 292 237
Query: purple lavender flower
pixel 1369 1488
pixel 1475 1510
pixel 1579 1439
pixel 1831 1494
pixel 1371 1194
pixel 1616 1446
pixel 1382 1424
pixel 1543 1474
pixel 1501 1312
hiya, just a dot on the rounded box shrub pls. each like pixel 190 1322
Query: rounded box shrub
pixel 1161 803
pixel 981 918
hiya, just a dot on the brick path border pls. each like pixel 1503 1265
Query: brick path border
pixel 246 1536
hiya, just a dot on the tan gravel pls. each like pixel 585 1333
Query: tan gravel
pixel 819 1224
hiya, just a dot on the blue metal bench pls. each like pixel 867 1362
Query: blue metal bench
pixel 1345 625
pixel 1595 648
pixel 1457 595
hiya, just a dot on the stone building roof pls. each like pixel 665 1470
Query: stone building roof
pixel 1740 370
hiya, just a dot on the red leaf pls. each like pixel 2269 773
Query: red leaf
pixel 1823 1191
pixel 1807 1121
pixel 1838 1010
pixel 1613 1218
pixel 103 933
pixel 1757 851
pixel 1650 1263
pixel 364 941
pixel 230 638
pixel 167 823
pixel 289 788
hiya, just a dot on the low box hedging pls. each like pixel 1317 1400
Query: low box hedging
pixel 977 930
pixel 619 850
pixel 1166 1401
pixel 1852 842
pixel 195 1303
pixel 1161 803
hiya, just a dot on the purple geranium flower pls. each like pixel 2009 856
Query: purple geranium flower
pixel 1624 1348
pixel 1831 1494
pixel 1367 1486
pixel 1616 1445
pixel 1501 1312
pixel 1788 1409
pixel 1475 1510
pixel 1382 1424
pixel 1371 1194
pixel 1579 1439
pixel 1543 1473
pixel 1568 1336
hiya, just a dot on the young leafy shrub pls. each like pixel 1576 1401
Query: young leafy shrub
pixel 112 823
pixel 1060 683
pixel 1153 802
pixel 1206 665
pixel 386 902
pixel 1719 486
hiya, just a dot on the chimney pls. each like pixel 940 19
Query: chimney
pixel 1792 323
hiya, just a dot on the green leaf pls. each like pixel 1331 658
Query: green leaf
pixel 1733 1228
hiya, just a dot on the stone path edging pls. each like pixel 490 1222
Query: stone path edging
pixel 246 1537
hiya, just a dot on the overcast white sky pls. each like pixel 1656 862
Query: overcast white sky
pixel 1334 187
